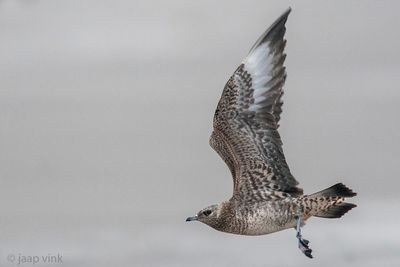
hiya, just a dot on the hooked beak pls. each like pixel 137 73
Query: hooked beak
pixel 194 218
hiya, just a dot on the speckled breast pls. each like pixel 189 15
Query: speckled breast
pixel 266 218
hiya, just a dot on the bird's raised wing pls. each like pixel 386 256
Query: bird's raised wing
pixel 246 120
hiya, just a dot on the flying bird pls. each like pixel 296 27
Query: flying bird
pixel 266 197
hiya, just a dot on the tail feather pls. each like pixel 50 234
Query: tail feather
pixel 329 203
pixel 335 211
pixel 337 190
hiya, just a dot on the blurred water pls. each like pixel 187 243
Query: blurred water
pixel 106 109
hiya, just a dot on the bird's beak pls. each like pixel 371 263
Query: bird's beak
pixel 194 218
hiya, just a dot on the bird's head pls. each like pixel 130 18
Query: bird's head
pixel 211 215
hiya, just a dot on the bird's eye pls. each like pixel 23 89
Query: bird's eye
pixel 207 212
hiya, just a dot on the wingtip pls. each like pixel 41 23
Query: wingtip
pixel 277 27
pixel 287 11
pixel 284 16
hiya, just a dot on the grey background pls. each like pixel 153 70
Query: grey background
pixel 106 108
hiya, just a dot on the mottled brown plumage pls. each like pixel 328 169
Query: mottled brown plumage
pixel 266 197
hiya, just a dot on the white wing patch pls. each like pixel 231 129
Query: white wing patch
pixel 259 65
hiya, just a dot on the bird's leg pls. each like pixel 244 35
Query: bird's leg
pixel 303 243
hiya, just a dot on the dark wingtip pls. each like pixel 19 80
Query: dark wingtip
pixel 282 19
pixel 294 191
pixel 287 12
pixel 276 29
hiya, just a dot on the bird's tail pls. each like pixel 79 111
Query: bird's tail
pixel 329 203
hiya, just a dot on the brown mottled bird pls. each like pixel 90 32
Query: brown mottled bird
pixel 266 197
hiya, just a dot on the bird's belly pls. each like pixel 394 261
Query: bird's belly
pixel 265 223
